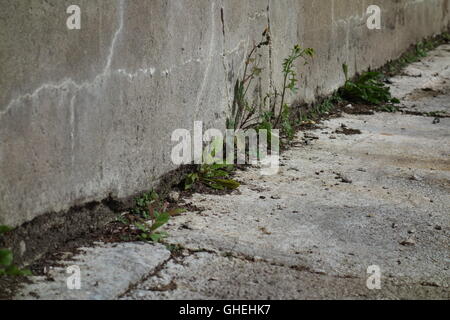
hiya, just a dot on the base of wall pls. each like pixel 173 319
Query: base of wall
pixel 80 224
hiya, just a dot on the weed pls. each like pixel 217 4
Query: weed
pixel 148 231
pixel 150 214
pixel 6 260
pixel 446 37
pixel 274 113
pixel 5 229
pixel 142 203
pixel 212 175
pixel 279 114
pixel 325 107
pixel 121 219
pixel 243 113
pixel 286 126
pixel 368 88
pixel 290 77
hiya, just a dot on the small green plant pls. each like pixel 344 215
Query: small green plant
pixel 446 36
pixel 150 214
pixel 243 112
pixel 279 114
pixel 324 107
pixel 273 112
pixel 290 81
pixel 368 88
pixel 286 124
pixel 214 176
pixel 4 229
pixel 149 231
pixel 6 260
pixel 142 203
pixel 213 172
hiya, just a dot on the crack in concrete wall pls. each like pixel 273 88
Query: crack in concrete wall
pixel 69 83
pixel 211 48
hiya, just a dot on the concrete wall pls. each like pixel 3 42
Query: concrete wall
pixel 87 113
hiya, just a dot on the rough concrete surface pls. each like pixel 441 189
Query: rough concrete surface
pixel 106 272
pixel 340 204
pixel 89 113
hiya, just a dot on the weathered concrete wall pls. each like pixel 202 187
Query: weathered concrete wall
pixel 87 113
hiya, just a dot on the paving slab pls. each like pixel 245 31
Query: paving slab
pixel 209 276
pixel 106 271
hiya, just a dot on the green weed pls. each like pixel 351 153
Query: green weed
pixel 150 213
pixel 243 112
pixel 214 176
pixel 274 113
pixel 142 204
pixel 368 88
pixel 290 78
pixel 6 260
pixel 326 106
pixel 212 173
